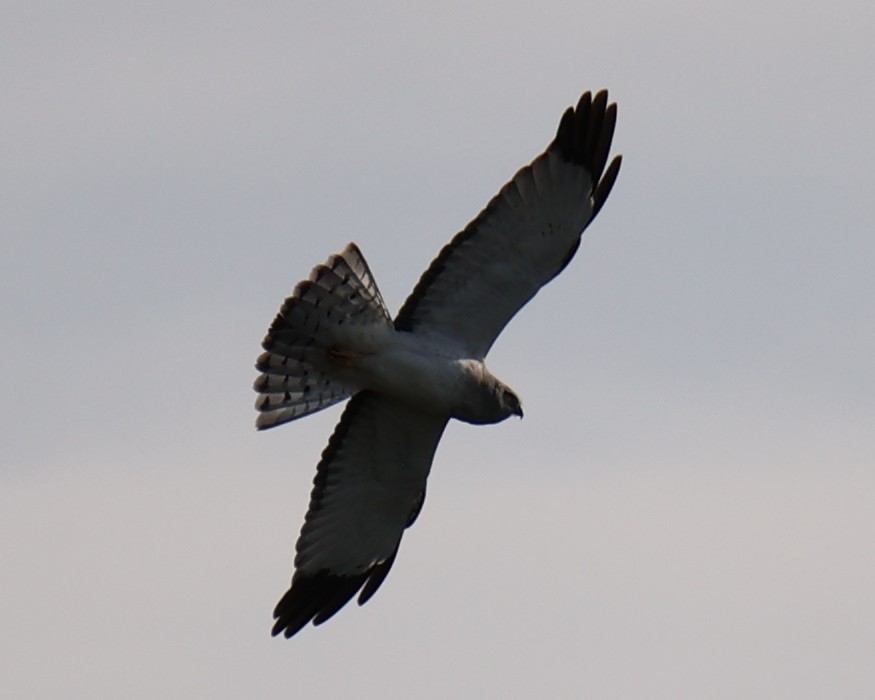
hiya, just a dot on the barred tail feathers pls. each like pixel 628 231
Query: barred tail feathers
pixel 295 375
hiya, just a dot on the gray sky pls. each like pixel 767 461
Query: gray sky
pixel 686 510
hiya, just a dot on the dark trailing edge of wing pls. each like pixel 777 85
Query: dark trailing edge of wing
pixel 320 595
pixel 584 137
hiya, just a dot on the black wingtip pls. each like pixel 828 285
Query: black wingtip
pixel 584 137
pixel 315 598
pixel 585 130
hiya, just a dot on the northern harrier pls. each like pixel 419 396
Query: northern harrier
pixel 334 339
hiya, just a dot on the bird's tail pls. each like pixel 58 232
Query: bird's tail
pixel 306 338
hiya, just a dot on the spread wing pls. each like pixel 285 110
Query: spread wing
pixel 369 487
pixel 526 235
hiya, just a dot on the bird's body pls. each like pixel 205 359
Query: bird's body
pixel 424 378
pixel 334 339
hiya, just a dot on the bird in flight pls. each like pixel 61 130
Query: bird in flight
pixel 407 377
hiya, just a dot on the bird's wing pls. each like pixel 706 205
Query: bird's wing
pixel 369 487
pixel 522 239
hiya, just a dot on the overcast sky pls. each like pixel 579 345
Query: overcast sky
pixel 686 510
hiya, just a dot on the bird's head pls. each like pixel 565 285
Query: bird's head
pixel 510 402
pixel 487 400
